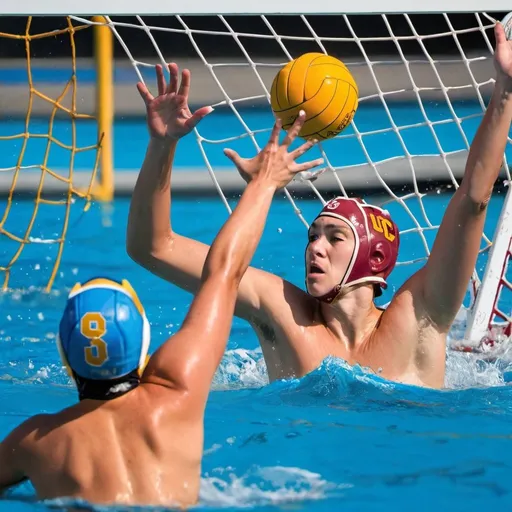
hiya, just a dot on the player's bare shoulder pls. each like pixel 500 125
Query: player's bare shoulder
pixel 405 315
pixel 282 301
pixel 405 329
pixel 29 438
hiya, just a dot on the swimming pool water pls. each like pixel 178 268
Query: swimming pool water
pixel 337 438
pixel 221 129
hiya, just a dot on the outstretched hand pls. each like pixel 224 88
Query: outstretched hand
pixel 503 53
pixel 168 115
pixel 274 163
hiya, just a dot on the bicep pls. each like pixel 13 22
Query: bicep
pixel 188 360
pixel 180 260
pixel 445 277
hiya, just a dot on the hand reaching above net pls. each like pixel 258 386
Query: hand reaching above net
pixel 168 115
pixel 274 163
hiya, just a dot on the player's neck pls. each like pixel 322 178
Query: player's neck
pixel 352 317
pixel 87 405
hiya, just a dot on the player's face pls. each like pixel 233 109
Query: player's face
pixel 330 248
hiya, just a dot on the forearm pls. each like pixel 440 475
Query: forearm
pixel 486 152
pixel 189 361
pixel 236 242
pixel 149 217
pixel 454 253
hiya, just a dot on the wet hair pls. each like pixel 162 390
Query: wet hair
pixel 106 389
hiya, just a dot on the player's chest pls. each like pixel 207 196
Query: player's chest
pixel 309 346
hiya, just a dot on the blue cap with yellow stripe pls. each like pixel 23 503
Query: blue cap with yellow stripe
pixel 104 333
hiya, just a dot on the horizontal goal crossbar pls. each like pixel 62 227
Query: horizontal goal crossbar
pixel 194 7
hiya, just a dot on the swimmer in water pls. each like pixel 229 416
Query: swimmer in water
pixel 136 435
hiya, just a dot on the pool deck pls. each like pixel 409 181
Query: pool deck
pixel 430 173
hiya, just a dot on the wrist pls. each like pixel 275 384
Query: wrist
pixel 162 144
pixel 503 85
pixel 262 184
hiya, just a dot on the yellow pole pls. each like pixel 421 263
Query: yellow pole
pixel 103 53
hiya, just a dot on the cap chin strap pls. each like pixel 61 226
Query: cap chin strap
pixel 330 297
pixel 338 290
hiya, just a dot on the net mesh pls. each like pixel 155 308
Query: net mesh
pixel 441 65
pixel 423 85
pixel 501 319
pixel 49 132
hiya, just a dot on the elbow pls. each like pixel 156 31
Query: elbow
pixel 232 270
pixel 143 250
pixel 478 203
pixel 135 253
pixel 476 198
pixel 223 278
pixel 141 254
pixel 477 186
pixel 136 249
pixel 135 246
pixel 226 269
pixel 238 275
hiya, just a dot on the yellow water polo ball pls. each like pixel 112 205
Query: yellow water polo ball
pixel 320 85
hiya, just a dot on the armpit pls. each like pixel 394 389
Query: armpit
pixel 264 331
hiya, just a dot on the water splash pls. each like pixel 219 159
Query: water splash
pixel 241 368
pixel 468 370
pixel 34 359
pixel 223 488
pixel 246 369
pixel 276 485
pixel 472 369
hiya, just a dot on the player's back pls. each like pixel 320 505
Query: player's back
pixel 134 449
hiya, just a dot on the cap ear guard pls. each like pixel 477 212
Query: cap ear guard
pixel 380 258
pixel 385 239
pixel 146 340
pixel 129 288
pixel 63 357
pixel 142 367
pixel 74 290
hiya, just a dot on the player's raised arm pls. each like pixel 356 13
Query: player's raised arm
pixel 151 241
pixel 444 280
pixel 188 360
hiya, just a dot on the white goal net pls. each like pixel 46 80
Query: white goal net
pixel 424 81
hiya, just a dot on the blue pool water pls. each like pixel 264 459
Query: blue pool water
pixel 130 137
pixel 336 439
